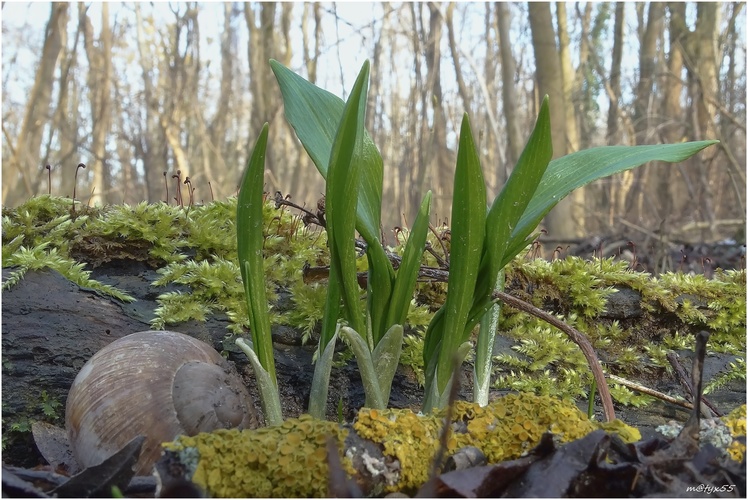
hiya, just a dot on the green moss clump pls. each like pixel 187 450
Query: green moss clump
pixel 673 307
pixel 289 460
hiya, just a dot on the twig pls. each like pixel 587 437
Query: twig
pixel 650 392
pixel 49 179
pixel 683 378
pixel 576 337
pixel 692 425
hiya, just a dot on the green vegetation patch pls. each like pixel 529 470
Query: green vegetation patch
pixel 196 247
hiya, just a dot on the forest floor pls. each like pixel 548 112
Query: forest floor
pixel 42 291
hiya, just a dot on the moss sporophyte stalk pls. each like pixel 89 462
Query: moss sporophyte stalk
pixel 290 459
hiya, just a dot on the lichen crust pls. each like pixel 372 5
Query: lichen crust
pixel 289 460
pixel 507 428
pixel 735 421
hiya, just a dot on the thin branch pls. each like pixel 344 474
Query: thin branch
pixel 578 338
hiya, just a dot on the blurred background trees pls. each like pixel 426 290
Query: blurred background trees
pixel 140 91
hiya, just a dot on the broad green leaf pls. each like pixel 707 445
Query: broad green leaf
pixel 321 379
pixel 466 246
pixel 269 397
pixel 573 171
pixel 314 114
pixel 369 377
pixel 510 204
pixel 410 265
pixel 249 242
pixel 342 188
pixel 386 356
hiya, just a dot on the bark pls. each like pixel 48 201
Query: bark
pixel 22 179
pixel 65 122
pixel 269 40
pixel 215 148
pixel 673 129
pixel 549 82
pixel 310 61
pixel 437 165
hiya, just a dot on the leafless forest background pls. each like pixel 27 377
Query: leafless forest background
pixel 133 94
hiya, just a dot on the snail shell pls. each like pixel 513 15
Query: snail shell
pixel 159 384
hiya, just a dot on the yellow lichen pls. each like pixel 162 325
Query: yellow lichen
pixel 735 421
pixel 503 430
pixel 285 461
pixel 290 460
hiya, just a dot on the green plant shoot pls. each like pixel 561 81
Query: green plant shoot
pixel 484 239
pixel 334 137
pixel 249 243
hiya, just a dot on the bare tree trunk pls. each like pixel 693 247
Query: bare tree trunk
pixel 508 90
pixel 613 134
pixel 461 87
pixel 703 95
pixel 549 82
pixel 630 201
pixel 437 157
pixel 567 75
pixel 66 121
pixel 23 172
pixel 647 55
pixel 311 61
pixel 99 88
pixel 215 150
pixel 151 145
pixel 265 43
pixel 577 198
pixel 669 184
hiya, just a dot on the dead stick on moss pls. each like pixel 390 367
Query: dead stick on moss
pixel 650 392
pixel 578 338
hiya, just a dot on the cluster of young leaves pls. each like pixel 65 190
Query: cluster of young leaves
pixel 483 240
pixel 333 135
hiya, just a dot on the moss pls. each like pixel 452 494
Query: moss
pixel 673 307
pixel 289 460
pixel 196 247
